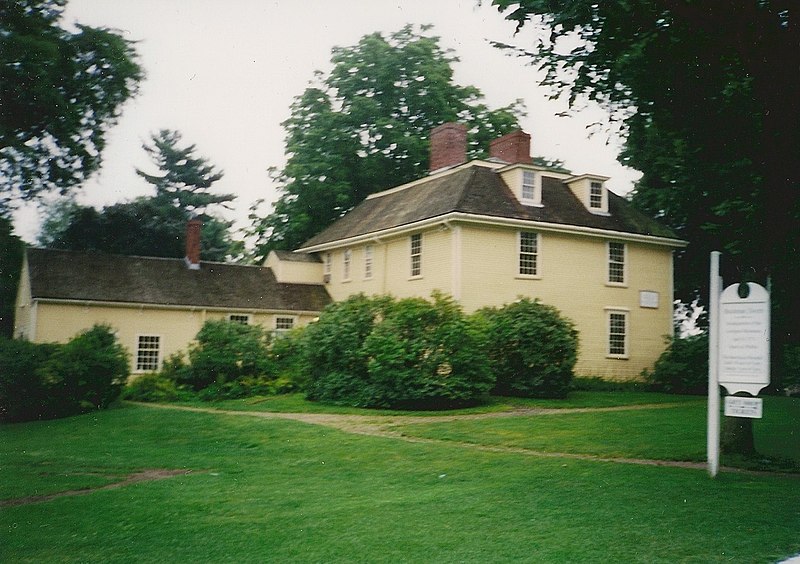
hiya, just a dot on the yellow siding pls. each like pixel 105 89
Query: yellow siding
pixel 59 322
pixel 572 277
pixel 391 265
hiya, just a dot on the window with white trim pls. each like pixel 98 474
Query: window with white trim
pixel 348 259
pixel 416 254
pixel 148 353
pixel 327 264
pixel 616 263
pixel 242 318
pixel 368 253
pixel 283 324
pixel 528 253
pixel 528 185
pixel 618 334
pixel 596 195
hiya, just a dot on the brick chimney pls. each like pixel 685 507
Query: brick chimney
pixel 193 244
pixel 514 147
pixel 448 146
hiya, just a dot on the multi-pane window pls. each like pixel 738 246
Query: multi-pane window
pixel 616 263
pixel 148 348
pixel 617 333
pixel 596 195
pixel 528 185
pixel 242 318
pixel 368 261
pixel 328 265
pixel 528 253
pixel 416 254
pixel 283 324
pixel 348 259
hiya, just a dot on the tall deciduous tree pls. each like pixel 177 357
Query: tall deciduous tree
pixel 365 127
pixel 60 93
pixel 710 100
pixel 11 249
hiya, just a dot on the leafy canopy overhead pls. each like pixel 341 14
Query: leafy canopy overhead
pixel 365 127
pixel 60 93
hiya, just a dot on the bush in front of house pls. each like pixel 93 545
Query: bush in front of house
pixel 531 347
pixel 333 352
pixel 225 352
pixel 88 372
pixel 286 354
pixel 153 387
pixel 426 355
pixel 682 368
pixel 407 354
pixel 24 395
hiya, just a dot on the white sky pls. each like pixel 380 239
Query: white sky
pixel 224 73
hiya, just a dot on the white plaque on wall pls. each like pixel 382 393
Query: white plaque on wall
pixel 648 299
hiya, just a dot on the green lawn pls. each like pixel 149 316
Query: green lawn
pixel 263 490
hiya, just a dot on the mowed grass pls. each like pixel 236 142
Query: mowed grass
pixel 263 490
pixel 677 431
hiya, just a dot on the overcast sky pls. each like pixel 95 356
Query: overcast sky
pixel 224 73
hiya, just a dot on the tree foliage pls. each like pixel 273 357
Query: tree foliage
pixel 709 98
pixel 11 250
pixel 150 226
pixel 365 127
pixel 183 180
pixel 60 93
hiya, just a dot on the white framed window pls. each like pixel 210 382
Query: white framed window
pixel 616 263
pixel 347 264
pixel 284 323
pixel 243 318
pixel 368 254
pixel 531 190
pixel 416 254
pixel 528 253
pixel 596 195
pixel 327 267
pixel 618 330
pixel 148 353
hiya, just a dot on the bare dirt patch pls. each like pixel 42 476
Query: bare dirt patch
pixel 134 478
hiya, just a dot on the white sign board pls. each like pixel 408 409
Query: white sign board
pixel 744 339
pixel 751 408
pixel 648 299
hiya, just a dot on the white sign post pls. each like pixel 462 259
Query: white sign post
pixel 738 352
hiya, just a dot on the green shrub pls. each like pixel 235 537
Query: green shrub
pixel 334 359
pixel 88 372
pixel 381 352
pixel 154 387
pixel 595 384
pixel 24 395
pixel 531 347
pixel 225 352
pixel 683 367
pixel 286 352
pixel 425 355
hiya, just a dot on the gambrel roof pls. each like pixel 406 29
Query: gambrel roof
pixel 478 190
pixel 97 277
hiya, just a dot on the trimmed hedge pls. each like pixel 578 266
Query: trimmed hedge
pixel 531 347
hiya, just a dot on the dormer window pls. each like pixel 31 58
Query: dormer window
pixel 528 178
pixel 591 191
pixel 596 195
pixel 529 189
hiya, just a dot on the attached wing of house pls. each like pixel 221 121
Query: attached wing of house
pixel 156 305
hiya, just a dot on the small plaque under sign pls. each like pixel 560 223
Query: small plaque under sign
pixel 751 408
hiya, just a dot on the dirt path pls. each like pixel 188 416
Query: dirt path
pixel 387 426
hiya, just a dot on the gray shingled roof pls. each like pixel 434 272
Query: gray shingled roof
pixel 480 190
pixel 74 275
